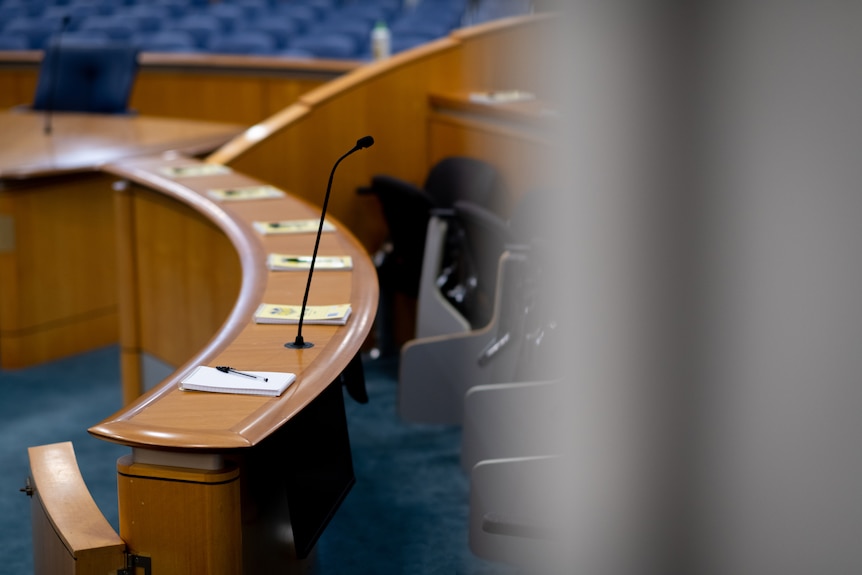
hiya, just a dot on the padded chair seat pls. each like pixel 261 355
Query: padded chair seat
pixel 95 78
pixel 243 43
pixel 329 45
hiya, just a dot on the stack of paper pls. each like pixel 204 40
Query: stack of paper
pixel 292 227
pixel 269 383
pixel 314 314
pixel 194 170
pixel 245 193
pixel 293 262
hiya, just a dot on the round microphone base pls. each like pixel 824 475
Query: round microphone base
pixel 299 345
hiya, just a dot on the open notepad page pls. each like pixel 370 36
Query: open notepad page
pixel 205 378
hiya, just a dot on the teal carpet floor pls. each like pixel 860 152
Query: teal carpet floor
pixel 406 515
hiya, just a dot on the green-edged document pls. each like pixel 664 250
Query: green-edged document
pixel 292 262
pixel 245 193
pixel 292 227
pixel 314 314
pixel 195 170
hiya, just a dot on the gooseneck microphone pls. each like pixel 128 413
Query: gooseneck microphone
pixel 299 342
pixel 56 48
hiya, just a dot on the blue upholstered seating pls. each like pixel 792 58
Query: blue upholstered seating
pixel 115 27
pixel 167 41
pixel 201 26
pixel 281 30
pixel 80 77
pixel 327 45
pixel 36 30
pixel 243 42
pixel 291 24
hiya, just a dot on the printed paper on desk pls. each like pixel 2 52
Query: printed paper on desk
pixel 314 314
pixel 195 170
pixel 292 227
pixel 205 378
pixel 291 262
pixel 245 193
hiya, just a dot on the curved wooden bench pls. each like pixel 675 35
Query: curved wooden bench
pixel 192 272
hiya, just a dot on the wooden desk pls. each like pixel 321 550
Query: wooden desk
pixel 57 255
pixel 184 253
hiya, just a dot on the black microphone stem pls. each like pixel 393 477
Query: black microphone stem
pixel 56 48
pixel 299 342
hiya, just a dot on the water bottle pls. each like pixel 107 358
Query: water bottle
pixel 381 41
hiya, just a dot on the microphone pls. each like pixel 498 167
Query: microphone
pixel 299 342
pixel 52 90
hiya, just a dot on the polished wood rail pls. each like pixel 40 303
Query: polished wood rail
pixel 166 417
pixel 70 534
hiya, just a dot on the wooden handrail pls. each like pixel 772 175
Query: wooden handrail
pixel 71 535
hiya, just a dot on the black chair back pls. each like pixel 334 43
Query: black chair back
pixel 81 77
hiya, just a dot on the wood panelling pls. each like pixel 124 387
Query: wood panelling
pixel 237 89
pixel 188 521
pixel 187 275
pixel 59 293
pixel 19 87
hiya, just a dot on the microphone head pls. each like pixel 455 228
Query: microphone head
pixel 365 142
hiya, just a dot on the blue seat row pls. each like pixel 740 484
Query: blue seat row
pixel 314 28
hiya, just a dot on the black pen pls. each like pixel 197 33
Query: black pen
pixel 229 370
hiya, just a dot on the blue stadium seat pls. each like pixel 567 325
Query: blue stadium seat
pixel 368 13
pixel 329 45
pixel 80 77
pixel 415 27
pixel 488 10
pixel 9 13
pixel 302 17
pixel 25 8
pixel 176 8
pixel 36 30
pixel 402 42
pixel 201 26
pixel 251 8
pixel 321 7
pixel 14 42
pixel 146 17
pixel 359 30
pixel 280 30
pixel 167 41
pixel 231 16
pixel 243 43
pixel 101 7
pixel 76 14
pixel 116 27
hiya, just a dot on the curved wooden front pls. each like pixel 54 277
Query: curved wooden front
pixel 394 101
pixel 192 272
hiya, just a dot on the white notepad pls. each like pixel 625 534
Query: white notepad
pixel 205 378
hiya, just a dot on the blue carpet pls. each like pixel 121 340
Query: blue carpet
pixel 407 513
